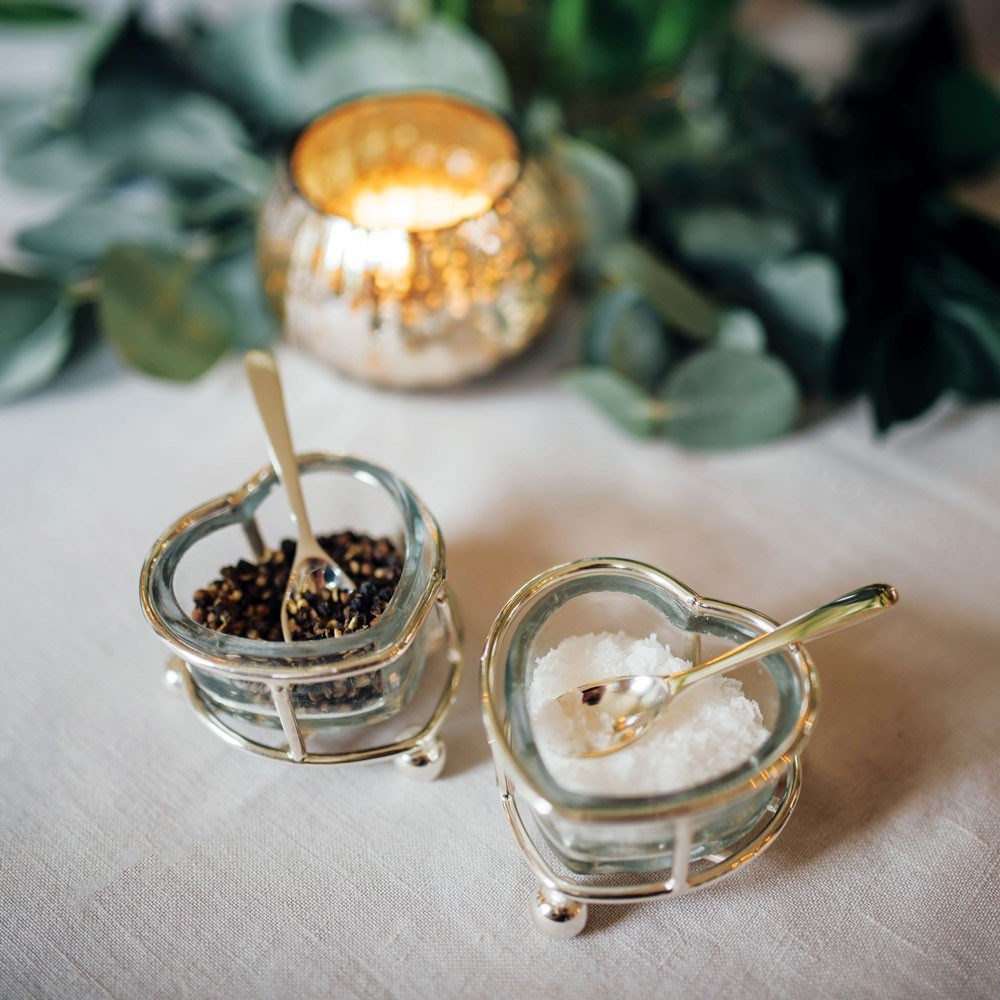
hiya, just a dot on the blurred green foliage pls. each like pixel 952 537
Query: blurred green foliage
pixel 747 239
pixel 828 217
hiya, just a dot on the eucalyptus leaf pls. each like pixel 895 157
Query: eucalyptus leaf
pixel 57 159
pixel 714 236
pixel 621 400
pixel 35 336
pixel 803 306
pixel 602 194
pixel 741 330
pixel 162 315
pixel 170 135
pixel 217 202
pixel 437 55
pixel 81 233
pixel 728 399
pixel 680 304
pixel 194 135
pixel 248 62
pixel 972 337
pixel 282 83
pixel 135 77
pixel 22 116
pixel 60 56
pixel 237 278
pixel 622 330
pixel 311 31
pixel 806 290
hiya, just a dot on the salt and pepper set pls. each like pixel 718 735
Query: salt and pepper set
pixel 333 700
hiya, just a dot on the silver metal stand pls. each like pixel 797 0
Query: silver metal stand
pixel 560 907
pixel 421 753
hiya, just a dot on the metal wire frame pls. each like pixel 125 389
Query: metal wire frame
pixel 681 879
pixel 296 751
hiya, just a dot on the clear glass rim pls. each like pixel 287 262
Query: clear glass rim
pixel 549 797
pixel 447 98
pixel 255 659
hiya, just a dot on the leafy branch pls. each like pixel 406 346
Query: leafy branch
pixel 746 243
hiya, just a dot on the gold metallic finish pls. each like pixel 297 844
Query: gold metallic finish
pixel 231 681
pixel 776 763
pixel 409 242
pixel 297 753
pixel 785 798
pixel 636 700
pixel 691 838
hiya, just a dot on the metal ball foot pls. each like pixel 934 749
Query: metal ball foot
pixel 557 915
pixel 173 679
pixel 425 761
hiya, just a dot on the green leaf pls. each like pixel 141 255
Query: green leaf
pixel 237 278
pixel 311 31
pixel 248 62
pixel 622 330
pixel 38 13
pixel 160 314
pixel 217 203
pixel 51 158
pixel 282 83
pixel 135 77
pixel 806 290
pixel 965 122
pixel 567 29
pixel 676 299
pixel 909 368
pixel 679 25
pixel 143 115
pixel 971 338
pixel 741 330
pixel 601 193
pixel 195 135
pixel 729 237
pixel 438 55
pixel 35 336
pixel 726 399
pixel 80 235
pixel 617 397
pixel 803 306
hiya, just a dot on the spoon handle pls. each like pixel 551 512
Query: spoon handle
pixel 265 383
pixel 850 609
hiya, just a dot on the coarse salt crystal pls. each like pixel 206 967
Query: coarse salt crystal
pixel 709 729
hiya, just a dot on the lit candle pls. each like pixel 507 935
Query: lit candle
pixel 413 217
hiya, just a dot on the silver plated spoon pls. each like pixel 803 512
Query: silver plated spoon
pixel 625 707
pixel 313 570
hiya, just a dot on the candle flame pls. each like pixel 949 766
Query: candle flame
pixel 417 207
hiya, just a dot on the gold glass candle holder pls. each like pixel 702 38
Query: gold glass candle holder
pixel 408 241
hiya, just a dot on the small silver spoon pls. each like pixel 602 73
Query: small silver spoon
pixel 631 704
pixel 313 569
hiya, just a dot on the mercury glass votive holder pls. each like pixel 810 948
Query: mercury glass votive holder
pixel 586 848
pixel 408 241
pixel 312 701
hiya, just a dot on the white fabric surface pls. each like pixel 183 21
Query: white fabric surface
pixel 141 856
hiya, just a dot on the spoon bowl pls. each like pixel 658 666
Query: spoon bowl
pixel 310 575
pixel 619 710
pixel 313 571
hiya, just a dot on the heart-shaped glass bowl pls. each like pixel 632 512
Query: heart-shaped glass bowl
pixel 311 686
pixel 596 834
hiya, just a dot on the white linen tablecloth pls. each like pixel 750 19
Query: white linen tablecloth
pixel 141 856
